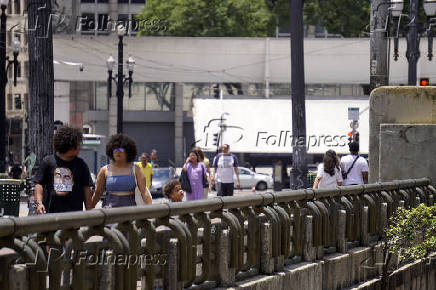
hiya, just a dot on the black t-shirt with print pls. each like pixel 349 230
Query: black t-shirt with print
pixel 63 183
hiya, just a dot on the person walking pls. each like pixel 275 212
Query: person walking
pixel 354 167
pixel 63 180
pixel 206 163
pixel 146 168
pixel 329 172
pixel 224 164
pixel 121 177
pixel 153 158
pixel 197 176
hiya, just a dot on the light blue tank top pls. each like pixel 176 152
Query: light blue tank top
pixel 120 183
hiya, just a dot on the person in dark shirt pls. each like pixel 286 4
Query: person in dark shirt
pixel 15 172
pixel 63 181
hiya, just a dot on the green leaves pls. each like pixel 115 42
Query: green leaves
pixel 412 233
pixel 210 18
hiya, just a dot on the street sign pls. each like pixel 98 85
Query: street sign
pixel 354 125
pixel 353 114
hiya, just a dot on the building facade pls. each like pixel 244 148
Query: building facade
pixel 17 96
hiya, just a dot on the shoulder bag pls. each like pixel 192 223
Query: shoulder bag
pixel 184 181
pixel 345 174
pixel 138 196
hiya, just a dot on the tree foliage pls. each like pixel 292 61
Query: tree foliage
pixel 243 18
pixel 412 233
pixel 348 18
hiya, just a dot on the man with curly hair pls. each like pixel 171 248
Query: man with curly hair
pixel 63 180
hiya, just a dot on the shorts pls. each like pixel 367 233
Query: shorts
pixel 225 189
pixel 119 201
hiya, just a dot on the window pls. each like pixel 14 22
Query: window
pixel 87 23
pixel 17 7
pixel 17 102
pixel 101 97
pixel 137 100
pixel 159 96
pixel 10 102
pixel 103 22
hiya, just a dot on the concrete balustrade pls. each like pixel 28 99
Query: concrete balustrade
pixel 303 239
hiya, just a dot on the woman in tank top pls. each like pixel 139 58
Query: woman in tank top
pixel 118 177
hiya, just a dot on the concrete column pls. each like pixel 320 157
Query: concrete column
pixel 171 273
pixel 113 15
pixel 401 203
pixel 112 116
pixel 383 217
pixel 266 260
pixel 364 236
pixel 341 244
pixel 309 253
pixel 107 276
pixel 18 278
pixel 178 126
pixel 227 275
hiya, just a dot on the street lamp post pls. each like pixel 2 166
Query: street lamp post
pixel 120 78
pixel 413 32
pixel 5 64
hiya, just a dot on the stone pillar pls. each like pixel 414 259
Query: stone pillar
pixel 364 236
pixel 18 278
pixel 178 126
pixel 341 244
pixel 171 267
pixel 309 253
pixel 113 16
pixel 383 218
pixel 227 275
pixel 266 260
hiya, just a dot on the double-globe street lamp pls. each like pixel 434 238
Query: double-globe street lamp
pixel 413 32
pixel 5 64
pixel 120 78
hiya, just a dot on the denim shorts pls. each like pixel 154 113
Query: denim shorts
pixel 119 201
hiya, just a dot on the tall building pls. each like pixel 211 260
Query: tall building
pixel 97 17
pixel 16 96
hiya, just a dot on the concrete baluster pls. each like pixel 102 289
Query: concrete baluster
pixel 383 217
pixel 18 279
pixel 309 253
pixel 341 243
pixel 266 259
pixel 171 266
pixel 364 236
pixel 227 275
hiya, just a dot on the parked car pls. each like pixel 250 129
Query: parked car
pixel 161 176
pixel 250 178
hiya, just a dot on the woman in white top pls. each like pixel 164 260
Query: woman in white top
pixel 329 172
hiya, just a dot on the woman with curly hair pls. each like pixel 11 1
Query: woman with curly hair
pixel 122 175
pixel 329 172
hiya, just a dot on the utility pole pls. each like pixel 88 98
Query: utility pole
pixel 379 70
pixel 412 52
pixel 120 85
pixel 299 160
pixel 41 78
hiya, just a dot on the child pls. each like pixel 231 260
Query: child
pixel 173 191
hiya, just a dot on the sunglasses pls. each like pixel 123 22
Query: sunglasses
pixel 119 150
